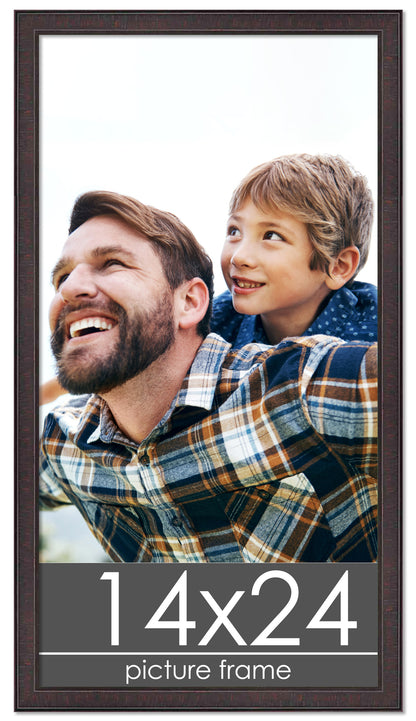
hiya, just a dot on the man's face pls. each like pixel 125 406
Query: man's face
pixel 112 315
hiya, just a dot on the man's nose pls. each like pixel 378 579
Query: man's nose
pixel 77 284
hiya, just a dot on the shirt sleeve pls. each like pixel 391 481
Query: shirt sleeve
pixel 341 401
pixel 51 495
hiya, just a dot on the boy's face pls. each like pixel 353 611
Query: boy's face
pixel 265 261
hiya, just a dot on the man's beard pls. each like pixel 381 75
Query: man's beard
pixel 143 338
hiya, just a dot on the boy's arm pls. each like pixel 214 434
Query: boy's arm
pixel 49 391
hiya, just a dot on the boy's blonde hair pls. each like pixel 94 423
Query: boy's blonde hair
pixel 322 191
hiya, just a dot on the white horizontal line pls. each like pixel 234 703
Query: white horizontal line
pixel 208 653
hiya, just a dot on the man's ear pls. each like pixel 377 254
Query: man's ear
pixel 343 267
pixel 193 303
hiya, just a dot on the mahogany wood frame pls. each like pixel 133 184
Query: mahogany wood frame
pixel 29 26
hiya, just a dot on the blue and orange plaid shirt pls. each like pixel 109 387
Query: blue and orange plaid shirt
pixel 267 454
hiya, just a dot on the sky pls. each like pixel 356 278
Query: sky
pixel 178 121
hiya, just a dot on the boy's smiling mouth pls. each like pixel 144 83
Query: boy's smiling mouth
pixel 245 284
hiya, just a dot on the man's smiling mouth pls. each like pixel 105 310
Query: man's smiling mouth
pixel 88 325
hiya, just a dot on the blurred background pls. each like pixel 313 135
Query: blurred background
pixel 177 121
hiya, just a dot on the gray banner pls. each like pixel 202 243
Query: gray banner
pixel 216 625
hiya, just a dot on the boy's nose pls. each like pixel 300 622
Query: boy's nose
pixel 244 256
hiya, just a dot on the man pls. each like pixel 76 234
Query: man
pixel 184 450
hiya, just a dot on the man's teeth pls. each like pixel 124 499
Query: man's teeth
pixel 242 284
pixel 80 325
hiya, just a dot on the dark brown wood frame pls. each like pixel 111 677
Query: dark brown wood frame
pixel 387 26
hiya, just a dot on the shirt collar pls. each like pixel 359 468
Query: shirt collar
pixel 340 304
pixel 199 385
pixel 198 390
pixel 343 298
pixel 96 422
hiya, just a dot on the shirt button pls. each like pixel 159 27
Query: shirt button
pixel 177 521
pixel 145 459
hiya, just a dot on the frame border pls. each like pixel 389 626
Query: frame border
pixel 387 25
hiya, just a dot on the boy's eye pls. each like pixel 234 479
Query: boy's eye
pixel 272 235
pixel 233 232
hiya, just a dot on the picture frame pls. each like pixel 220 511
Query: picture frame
pixel 31 694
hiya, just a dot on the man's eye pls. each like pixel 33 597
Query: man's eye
pixel 113 261
pixel 60 280
pixel 272 235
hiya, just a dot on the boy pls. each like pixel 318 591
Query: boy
pixel 298 233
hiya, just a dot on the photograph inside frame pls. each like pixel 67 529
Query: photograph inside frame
pixel 264 149
pixel 208 272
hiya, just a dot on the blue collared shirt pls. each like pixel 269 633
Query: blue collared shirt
pixel 350 314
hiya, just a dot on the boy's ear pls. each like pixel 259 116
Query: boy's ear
pixel 343 267
pixel 193 303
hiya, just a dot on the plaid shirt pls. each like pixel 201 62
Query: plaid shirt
pixel 267 454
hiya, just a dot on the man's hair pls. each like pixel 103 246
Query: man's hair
pixel 182 257
pixel 322 191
